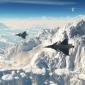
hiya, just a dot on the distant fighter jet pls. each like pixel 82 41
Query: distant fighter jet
pixel 63 46
pixel 22 35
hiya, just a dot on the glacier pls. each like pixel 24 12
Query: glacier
pixel 28 62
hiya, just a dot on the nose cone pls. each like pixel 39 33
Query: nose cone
pixel 18 34
pixel 49 46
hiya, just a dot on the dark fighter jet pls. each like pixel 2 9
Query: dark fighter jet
pixel 22 35
pixel 63 46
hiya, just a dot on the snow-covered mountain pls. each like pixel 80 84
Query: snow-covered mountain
pixel 30 63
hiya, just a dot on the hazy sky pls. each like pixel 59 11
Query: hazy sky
pixel 24 9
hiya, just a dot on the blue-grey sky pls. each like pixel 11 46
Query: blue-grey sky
pixel 38 8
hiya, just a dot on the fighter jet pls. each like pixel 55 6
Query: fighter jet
pixel 22 35
pixel 63 46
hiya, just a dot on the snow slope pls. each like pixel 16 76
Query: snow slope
pixel 30 63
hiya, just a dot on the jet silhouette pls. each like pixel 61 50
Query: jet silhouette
pixel 63 46
pixel 22 35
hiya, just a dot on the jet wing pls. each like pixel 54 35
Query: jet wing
pixel 23 37
pixel 64 42
pixel 65 50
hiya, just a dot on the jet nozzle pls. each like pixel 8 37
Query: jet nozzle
pixel 71 46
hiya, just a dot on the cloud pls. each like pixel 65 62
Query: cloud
pixel 39 21
pixel 46 2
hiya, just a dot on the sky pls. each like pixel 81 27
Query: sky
pixel 23 9
pixel 19 13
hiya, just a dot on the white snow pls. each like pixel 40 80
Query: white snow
pixel 23 74
pixel 82 76
pixel 7 77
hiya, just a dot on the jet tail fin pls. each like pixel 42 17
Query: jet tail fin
pixel 65 42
